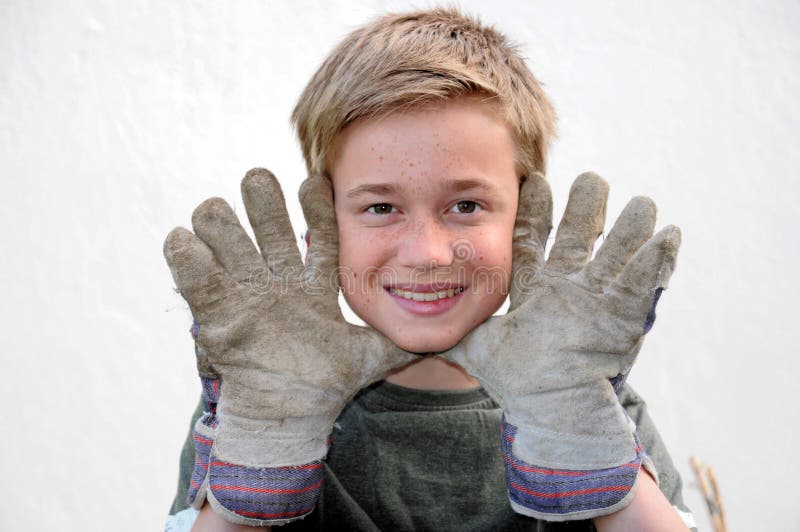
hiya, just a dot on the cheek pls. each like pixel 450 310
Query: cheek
pixel 351 263
pixel 493 248
pixel 351 276
pixel 362 254
pixel 492 262
pixel 349 235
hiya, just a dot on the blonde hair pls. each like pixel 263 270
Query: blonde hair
pixel 402 61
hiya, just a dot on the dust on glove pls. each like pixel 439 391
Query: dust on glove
pixel 573 329
pixel 277 360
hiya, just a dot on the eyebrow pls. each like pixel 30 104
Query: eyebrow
pixel 378 189
pixel 450 185
pixel 459 185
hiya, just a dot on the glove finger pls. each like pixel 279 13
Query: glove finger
pixel 582 223
pixel 201 280
pixel 373 355
pixel 266 210
pixel 631 230
pixel 531 228
pixel 651 266
pixel 216 224
pixel 322 258
pixel 479 349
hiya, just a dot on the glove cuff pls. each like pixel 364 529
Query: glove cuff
pixel 203 436
pixel 563 494
pixel 263 496
pixel 255 496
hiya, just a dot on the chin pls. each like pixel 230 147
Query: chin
pixel 424 346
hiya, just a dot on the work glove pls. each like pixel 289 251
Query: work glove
pixel 572 332
pixel 277 360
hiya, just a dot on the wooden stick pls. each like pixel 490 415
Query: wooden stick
pixel 710 489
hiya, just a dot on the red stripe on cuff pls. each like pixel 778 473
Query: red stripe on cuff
pixel 258 515
pixel 218 463
pixel 202 440
pixel 265 490
pixel 569 493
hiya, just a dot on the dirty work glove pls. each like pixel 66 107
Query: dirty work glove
pixel 276 358
pixel 572 326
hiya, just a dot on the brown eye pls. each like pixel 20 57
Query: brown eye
pixel 380 208
pixel 465 207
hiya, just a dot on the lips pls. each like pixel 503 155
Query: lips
pixel 424 287
pixel 418 295
pixel 426 299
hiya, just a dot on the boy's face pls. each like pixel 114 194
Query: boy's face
pixel 425 204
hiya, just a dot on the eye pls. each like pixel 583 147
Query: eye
pixel 381 209
pixel 465 207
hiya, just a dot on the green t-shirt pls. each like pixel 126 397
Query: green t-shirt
pixel 405 459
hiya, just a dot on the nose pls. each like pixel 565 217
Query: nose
pixel 426 245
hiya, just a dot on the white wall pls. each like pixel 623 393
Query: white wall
pixel 116 119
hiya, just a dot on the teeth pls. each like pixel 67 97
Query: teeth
pixel 427 296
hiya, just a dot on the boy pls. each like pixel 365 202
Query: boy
pixel 433 134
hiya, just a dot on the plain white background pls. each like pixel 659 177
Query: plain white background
pixel 117 119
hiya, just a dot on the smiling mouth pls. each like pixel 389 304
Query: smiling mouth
pixel 426 296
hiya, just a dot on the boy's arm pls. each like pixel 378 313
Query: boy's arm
pixel 655 501
pixel 658 459
pixel 649 510
pixel 208 521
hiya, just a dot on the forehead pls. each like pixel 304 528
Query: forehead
pixel 463 139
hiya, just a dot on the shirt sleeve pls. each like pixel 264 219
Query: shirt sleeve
pixel 186 464
pixel 182 521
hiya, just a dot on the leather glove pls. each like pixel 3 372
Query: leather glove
pixel 277 360
pixel 573 326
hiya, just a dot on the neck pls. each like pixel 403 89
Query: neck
pixel 433 373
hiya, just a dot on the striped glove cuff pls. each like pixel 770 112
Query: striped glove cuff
pixel 248 495
pixel 565 495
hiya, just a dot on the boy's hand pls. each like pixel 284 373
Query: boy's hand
pixel 277 359
pixel 572 332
